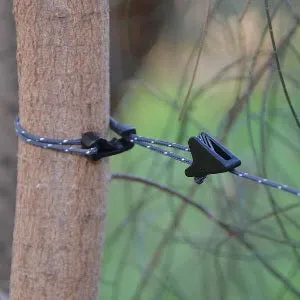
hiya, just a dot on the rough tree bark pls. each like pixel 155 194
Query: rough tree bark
pixel 63 71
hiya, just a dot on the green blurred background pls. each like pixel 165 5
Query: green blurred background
pixel 192 266
pixel 191 256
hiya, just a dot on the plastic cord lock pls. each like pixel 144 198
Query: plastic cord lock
pixel 105 148
pixel 209 157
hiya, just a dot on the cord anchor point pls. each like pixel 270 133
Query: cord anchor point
pixel 105 147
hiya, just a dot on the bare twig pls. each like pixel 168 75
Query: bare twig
pixel 227 228
pixel 286 93
pixel 242 100
pixel 201 46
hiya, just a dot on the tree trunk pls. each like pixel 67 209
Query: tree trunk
pixel 63 70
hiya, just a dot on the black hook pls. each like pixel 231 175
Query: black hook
pixel 209 157
pixel 114 146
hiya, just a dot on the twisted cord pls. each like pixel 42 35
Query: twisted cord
pixel 69 146
pixel 148 143
pixel 64 145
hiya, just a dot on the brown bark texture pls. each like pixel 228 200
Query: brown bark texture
pixel 63 73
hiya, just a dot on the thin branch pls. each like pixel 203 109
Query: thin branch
pixel 222 225
pixel 202 37
pixel 242 100
pixel 287 96
pixel 165 188
pixel 245 10
pixel 159 250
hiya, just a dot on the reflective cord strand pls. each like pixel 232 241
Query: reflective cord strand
pixel 64 145
pixel 148 143
pixel 71 146
pixel 266 182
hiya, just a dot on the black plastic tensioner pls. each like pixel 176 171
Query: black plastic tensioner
pixel 209 157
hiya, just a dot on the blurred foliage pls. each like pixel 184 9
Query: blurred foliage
pixel 158 248
pixel 195 263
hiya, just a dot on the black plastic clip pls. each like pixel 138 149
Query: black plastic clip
pixel 209 157
pixel 108 148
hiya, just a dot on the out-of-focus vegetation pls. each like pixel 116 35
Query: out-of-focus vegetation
pixel 158 248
